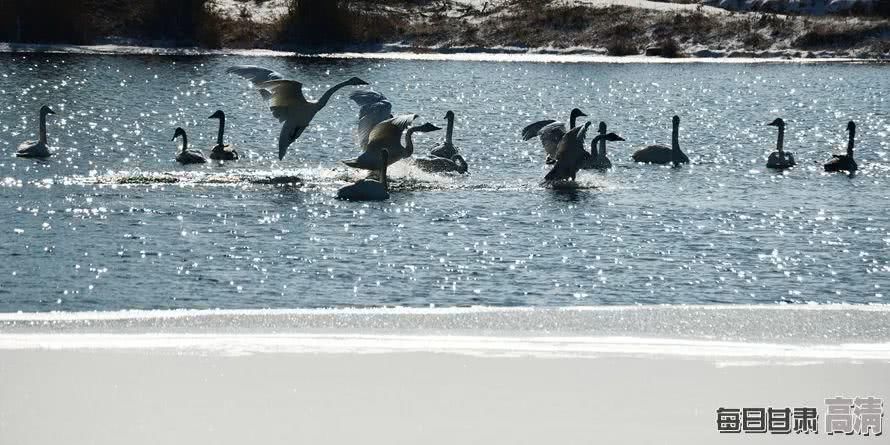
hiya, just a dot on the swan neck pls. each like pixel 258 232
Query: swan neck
pixel 43 128
pixel 449 131
pixel 222 130
pixel 780 144
pixel 409 142
pixel 675 138
pixel 602 147
pixel 572 120
pixel 185 142
pixel 329 93
pixel 850 143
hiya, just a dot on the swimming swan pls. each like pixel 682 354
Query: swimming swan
pixel 446 149
pixel 660 154
pixel 435 164
pixel 570 155
pixel 286 100
pixel 551 133
pixel 220 151
pixel 368 189
pixel 844 162
pixel 379 130
pixel 780 158
pixel 187 156
pixel 39 149
pixel 598 158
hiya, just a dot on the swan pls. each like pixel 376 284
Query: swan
pixel 551 133
pixel 456 164
pixel 598 158
pixel 780 158
pixel 220 151
pixel 378 129
pixel 368 189
pixel 660 154
pixel 187 156
pixel 570 154
pixel 844 162
pixel 286 100
pixel 446 149
pixel 39 149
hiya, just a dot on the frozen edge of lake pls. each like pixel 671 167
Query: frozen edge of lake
pixel 769 330
pixel 398 52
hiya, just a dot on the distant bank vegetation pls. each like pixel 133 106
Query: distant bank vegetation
pixel 332 24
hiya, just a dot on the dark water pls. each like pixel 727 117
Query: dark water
pixel 723 230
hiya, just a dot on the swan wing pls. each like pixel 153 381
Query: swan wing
pixel 256 75
pixel 551 135
pixel 375 108
pixel 532 130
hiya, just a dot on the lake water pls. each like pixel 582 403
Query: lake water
pixel 722 230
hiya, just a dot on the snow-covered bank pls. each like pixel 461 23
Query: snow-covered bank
pixel 402 52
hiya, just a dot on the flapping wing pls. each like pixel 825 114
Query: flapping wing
pixel 375 108
pixel 389 132
pixel 530 131
pixel 551 134
pixel 255 74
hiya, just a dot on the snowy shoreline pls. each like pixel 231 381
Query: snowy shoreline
pixel 401 52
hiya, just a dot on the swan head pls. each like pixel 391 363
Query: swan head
pixel 449 115
pixel 851 126
pixel 777 123
pixel 426 128
pixel 218 115
pixel 576 113
pixel 675 120
pixel 44 110
pixel 355 81
pixel 177 133
pixel 602 128
pixel 613 137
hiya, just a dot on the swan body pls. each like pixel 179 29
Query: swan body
pixel 39 148
pixel 186 155
pixel 446 149
pixel 456 164
pixel 287 102
pixel 221 151
pixel 368 189
pixel 661 154
pixel 570 155
pixel 379 130
pixel 551 133
pixel 780 159
pixel 844 162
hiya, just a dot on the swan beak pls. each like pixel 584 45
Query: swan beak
pixel 582 114
pixel 50 111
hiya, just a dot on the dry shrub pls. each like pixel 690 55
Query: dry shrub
pixel 621 47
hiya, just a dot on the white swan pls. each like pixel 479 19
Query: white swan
pixel 38 149
pixel 661 154
pixel 221 151
pixel 378 130
pixel 780 158
pixel 186 155
pixel 368 189
pixel 446 149
pixel 845 162
pixel 286 100
pixel 551 133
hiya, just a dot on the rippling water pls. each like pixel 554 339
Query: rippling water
pixel 112 222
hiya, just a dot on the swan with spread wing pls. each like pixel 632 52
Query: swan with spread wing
pixel 286 100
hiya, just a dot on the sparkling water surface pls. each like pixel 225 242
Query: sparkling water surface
pixel 99 227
